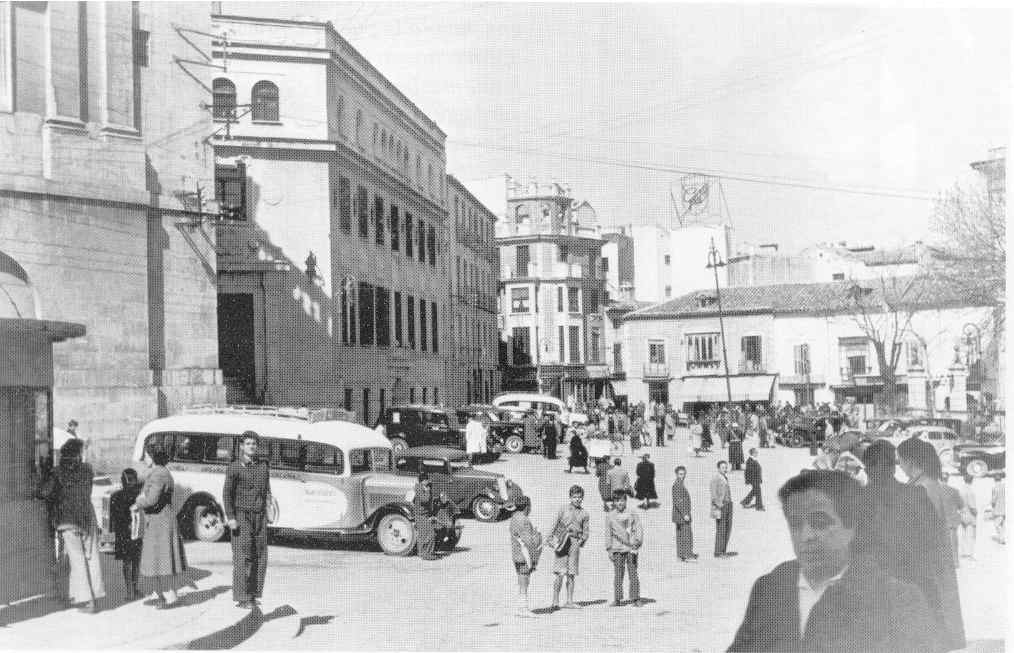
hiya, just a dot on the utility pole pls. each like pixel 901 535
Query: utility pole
pixel 715 262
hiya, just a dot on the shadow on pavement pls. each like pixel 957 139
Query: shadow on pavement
pixel 112 580
pixel 194 598
pixel 985 646
pixel 237 633
pixel 316 620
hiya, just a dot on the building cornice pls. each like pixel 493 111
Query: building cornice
pixel 453 182
pixel 549 238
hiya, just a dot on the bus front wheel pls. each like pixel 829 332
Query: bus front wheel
pixel 396 534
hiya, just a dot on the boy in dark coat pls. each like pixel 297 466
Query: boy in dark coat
pixel 681 517
pixel 127 548
pixel 752 477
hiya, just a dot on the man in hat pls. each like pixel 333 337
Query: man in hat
pixel 422 504
pixel 644 487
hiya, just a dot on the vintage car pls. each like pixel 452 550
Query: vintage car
pixel 942 438
pixel 328 478
pixel 506 433
pixel 483 494
pixel 978 459
pixel 524 401
pixel 417 425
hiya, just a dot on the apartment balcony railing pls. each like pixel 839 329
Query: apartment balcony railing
pixel 751 367
pixel 656 371
pixel 849 373
pixel 704 366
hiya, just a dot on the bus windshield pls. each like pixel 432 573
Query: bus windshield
pixel 373 459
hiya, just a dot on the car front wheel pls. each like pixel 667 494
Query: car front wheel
pixel 398 445
pixel 396 534
pixel 976 467
pixel 485 509
pixel 514 444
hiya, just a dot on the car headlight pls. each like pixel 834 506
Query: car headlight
pixel 501 484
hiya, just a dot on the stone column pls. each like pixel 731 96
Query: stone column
pixel 957 377
pixel 917 388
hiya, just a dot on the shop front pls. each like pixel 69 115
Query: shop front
pixel 697 393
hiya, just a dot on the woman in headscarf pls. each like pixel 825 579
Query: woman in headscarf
pixel 163 560
pixel 68 491
pixel 578 454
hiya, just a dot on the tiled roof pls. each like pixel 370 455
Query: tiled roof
pixel 812 298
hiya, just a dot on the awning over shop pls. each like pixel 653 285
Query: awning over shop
pixel 712 388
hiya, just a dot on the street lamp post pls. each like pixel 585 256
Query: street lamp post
pixel 715 262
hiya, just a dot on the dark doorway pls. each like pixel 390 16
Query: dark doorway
pixel 658 391
pixel 236 348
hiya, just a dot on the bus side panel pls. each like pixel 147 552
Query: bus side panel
pixel 308 501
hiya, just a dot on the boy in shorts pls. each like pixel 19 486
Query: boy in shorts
pixel 526 546
pixel 569 533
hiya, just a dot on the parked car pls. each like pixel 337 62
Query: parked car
pixel 525 401
pixel 942 438
pixel 328 478
pixel 418 425
pixel 504 433
pixel 980 459
pixel 482 493
pixel 799 431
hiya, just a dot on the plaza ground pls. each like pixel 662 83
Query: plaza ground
pixel 348 595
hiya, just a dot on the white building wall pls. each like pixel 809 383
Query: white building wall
pixel 689 247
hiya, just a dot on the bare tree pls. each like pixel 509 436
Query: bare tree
pixel 971 255
pixel 882 309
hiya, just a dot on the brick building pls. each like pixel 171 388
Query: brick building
pixel 102 164
pixel 474 373
pixel 334 259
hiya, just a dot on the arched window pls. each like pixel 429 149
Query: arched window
pixel 223 97
pixel 264 99
pixel 341 116
pixel 405 153
pixel 429 177
pixel 359 127
pixel 383 141
pixel 418 168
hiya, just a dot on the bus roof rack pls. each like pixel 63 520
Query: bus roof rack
pixel 284 412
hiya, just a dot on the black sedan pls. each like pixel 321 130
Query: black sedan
pixel 505 432
pixel 484 494
pixel 980 459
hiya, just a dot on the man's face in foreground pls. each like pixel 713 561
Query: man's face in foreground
pixel 819 538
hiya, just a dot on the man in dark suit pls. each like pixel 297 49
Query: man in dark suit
pixel 681 517
pixel 246 496
pixel 831 597
pixel 908 540
pixel 752 477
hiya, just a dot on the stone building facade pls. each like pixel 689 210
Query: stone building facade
pixel 552 294
pixel 103 166
pixel 334 256
pixel 474 375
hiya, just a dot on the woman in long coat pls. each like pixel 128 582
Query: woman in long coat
pixel 68 491
pixel 644 486
pixel 735 435
pixel 163 560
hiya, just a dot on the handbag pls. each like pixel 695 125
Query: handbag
pixel 716 513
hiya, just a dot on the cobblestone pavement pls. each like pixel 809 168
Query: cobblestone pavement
pixel 353 597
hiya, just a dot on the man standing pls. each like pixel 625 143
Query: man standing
pixel 568 534
pixel 624 537
pixel 644 486
pixel 475 438
pixel 969 517
pixel 998 506
pixel 752 477
pixel 247 495
pixel 660 413
pixel 549 436
pixel 681 517
pixel 619 479
pixel 721 510
pixel 830 597
pixel 422 505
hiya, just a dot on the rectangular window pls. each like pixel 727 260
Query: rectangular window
pixel 564 254
pixel 914 355
pixel 521 269
pixel 457 273
pixel 801 359
pixel 141 47
pixel 617 357
pixel 591 300
pixel 398 340
pixel 365 314
pixel 230 191
pixel 422 241
pixel 408 234
pixel 605 264
pixel 431 246
pixel 519 300
pixel 594 345
pixel 425 392
pixel 436 395
pixel 667 259
pixel 410 320
pixel 559 299
pixel 378 219
pixel 656 353
pixel 348 305
pixel 383 317
pixel 750 354
pixel 562 336
pixel 422 324
pixel 575 344
pixel 521 346
pixel 347 405
pixel 381 401
pixel 345 204
pixel 433 327
pixel 573 300
pixel 411 395
pixel 363 211
pixel 702 351
pixel 395 229
pixel 366 405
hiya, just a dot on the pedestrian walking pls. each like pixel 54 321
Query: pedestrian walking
pixel 475 438
pixel 602 468
pixel 831 597
pixel 127 529
pixel 696 437
pixel 670 425
pixel 422 509
pixel 660 413
pixel 549 436
pixel 163 560
pixel 706 431
pixel 578 454
pixel 247 496
pixel 67 492
pixel 969 517
pixel 998 506
pixel 636 433
pixel 530 423
pixel 644 487
pixel 567 535
pixel 681 517
pixel 721 510
pixel 735 443
pixel 619 479
pixel 624 537
pixel 762 428
pixel 752 477
pixel 526 547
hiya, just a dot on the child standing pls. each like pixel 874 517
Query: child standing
pixel 128 535
pixel 526 547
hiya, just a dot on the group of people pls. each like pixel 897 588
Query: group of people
pixel 568 534
pixel 143 522
pixel 434 516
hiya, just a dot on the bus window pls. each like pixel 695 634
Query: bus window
pixel 323 458
pixel 189 448
pixel 380 459
pixel 285 454
pixel 358 461
pixel 164 440
pixel 224 449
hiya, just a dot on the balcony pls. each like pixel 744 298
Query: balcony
pixel 704 366
pixel 752 367
pixel 854 372
pixel 658 371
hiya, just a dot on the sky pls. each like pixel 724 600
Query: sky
pixel 812 123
